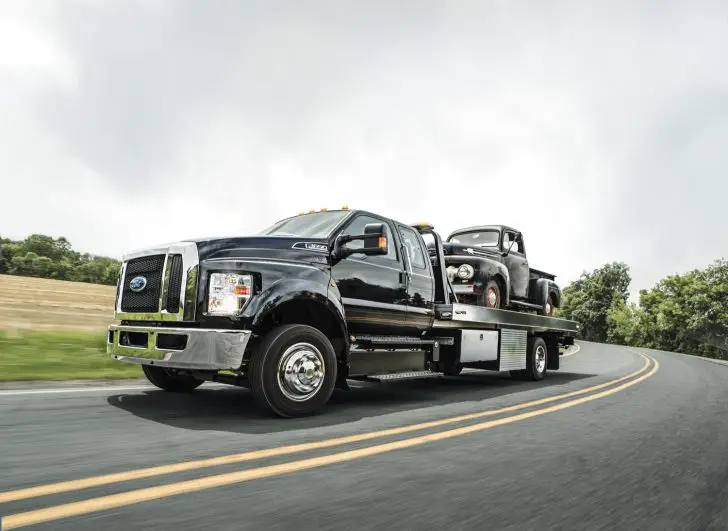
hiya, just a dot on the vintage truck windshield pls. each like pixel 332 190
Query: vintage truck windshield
pixel 314 225
pixel 483 238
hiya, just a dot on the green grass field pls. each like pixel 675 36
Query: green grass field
pixel 59 355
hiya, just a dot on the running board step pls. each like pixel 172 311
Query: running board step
pixel 527 304
pixel 401 340
pixel 395 376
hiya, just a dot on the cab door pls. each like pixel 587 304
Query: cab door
pixel 517 264
pixel 373 288
pixel 420 279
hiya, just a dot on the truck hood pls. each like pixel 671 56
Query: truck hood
pixel 460 249
pixel 284 247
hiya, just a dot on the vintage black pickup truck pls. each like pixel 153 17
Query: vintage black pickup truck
pixel 309 303
pixel 488 266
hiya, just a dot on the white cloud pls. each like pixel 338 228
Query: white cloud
pixel 598 131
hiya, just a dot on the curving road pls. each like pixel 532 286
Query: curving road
pixel 618 439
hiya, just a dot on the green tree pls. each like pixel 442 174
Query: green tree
pixel 590 298
pixel 40 255
pixel 47 246
pixel 625 324
pixel 688 313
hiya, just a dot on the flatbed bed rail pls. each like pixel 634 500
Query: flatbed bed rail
pixel 469 316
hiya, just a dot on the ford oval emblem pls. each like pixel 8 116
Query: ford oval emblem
pixel 137 284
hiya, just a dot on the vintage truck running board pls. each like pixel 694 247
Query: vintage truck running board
pixel 527 304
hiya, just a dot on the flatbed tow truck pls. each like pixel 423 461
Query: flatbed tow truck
pixel 311 302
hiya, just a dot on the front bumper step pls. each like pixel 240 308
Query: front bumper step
pixel 178 348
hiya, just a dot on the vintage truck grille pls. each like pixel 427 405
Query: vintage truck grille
pixel 151 268
pixel 171 283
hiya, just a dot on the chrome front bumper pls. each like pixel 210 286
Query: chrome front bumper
pixel 463 288
pixel 179 348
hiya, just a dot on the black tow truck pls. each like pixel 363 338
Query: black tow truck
pixel 309 303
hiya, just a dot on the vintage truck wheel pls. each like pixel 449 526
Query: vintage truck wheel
pixel 548 307
pixel 170 381
pixel 293 370
pixel 491 296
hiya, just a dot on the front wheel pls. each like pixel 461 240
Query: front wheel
pixel 293 370
pixel 170 381
pixel 491 296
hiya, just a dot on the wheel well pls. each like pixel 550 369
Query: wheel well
pixel 554 297
pixel 309 313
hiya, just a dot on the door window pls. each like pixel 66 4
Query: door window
pixel 509 237
pixel 413 247
pixel 356 227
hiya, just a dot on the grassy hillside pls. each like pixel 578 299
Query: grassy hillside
pixel 56 330
pixel 44 304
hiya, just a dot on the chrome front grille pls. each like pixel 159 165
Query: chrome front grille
pixel 170 290
pixel 150 268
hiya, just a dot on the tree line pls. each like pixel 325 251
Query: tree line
pixel 43 256
pixel 681 313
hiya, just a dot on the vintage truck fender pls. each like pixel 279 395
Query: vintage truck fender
pixel 485 270
pixel 540 288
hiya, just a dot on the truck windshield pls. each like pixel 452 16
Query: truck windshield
pixel 315 225
pixel 483 238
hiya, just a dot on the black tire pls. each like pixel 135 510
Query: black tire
pixel 491 288
pixel 536 350
pixel 276 394
pixel 169 381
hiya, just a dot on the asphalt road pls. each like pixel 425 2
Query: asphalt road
pixel 649 451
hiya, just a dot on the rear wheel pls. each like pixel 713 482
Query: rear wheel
pixel 293 370
pixel 548 307
pixel 171 381
pixel 536 360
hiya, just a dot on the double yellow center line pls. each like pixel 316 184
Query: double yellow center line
pixel 153 493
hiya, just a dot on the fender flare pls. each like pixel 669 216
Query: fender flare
pixel 288 290
pixel 544 287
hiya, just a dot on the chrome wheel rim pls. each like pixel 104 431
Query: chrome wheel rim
pixel 301 372
pixel 540 358
pixel 492 297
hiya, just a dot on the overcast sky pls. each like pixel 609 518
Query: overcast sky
pixel 600 129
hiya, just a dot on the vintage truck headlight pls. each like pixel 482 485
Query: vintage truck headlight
pixel 466 272
pixel 228 293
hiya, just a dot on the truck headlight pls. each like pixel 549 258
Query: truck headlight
pixel 228 293
pixel 466 272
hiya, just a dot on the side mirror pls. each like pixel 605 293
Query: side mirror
pixel 375 242
pixel 375 239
